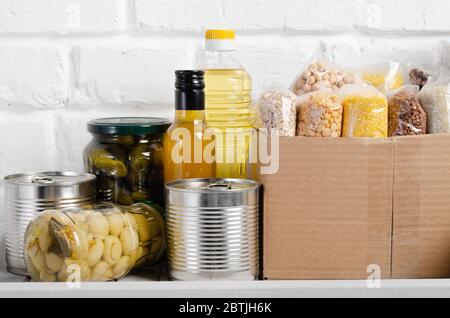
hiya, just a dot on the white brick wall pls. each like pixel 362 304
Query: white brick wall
pixel 64 62
pixel 62 16
pixel 32 76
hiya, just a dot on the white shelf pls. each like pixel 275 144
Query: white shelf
pixel 139 285
pixel 260 289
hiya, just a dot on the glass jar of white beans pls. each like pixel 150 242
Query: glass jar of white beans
pixel 99 243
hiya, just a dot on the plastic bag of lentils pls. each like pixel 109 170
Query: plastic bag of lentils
pixel 319 114
pixel 321 74
pixel 406 115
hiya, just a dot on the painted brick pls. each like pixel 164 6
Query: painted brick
pixel 121 75
pixel 178 15
pixel 32 76
pixel 62 16
pixel 403 15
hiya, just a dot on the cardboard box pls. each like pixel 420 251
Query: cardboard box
pixel 421 207
pixel 337 206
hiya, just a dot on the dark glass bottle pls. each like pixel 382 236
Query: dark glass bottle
pixel 183 156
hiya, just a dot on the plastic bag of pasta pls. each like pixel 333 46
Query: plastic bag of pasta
pixel 406 115
pixel 365 112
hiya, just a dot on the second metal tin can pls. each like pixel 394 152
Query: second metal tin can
pixel 29 194
pixel 212 228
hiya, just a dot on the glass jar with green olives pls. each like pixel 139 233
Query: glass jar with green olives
pixel 126 155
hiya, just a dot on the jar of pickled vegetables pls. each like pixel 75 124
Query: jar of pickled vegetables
pixel 126 155
pixel 100 243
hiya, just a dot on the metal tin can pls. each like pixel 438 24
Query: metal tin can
pixel 29 194
pixel 212 229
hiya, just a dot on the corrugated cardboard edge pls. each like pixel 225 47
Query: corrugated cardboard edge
pixel 421 222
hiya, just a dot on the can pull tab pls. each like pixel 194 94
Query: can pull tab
pixel 42 179
pixel 220 185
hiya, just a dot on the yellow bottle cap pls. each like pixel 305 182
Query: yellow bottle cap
pixel 219 40
pixel 219 35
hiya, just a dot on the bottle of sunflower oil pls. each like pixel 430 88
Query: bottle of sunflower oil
pixel 228 105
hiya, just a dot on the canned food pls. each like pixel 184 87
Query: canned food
pixel 212 229
pixel 29 194
pixel 101 243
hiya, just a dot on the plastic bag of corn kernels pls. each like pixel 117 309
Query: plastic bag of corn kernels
pixel 321 74
pixel 365 112
pixel 406 115
pixel 277 111
pixel 384 76
pixel 319 114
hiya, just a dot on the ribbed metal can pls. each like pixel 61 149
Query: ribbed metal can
pixel 212 229
pixel 29 194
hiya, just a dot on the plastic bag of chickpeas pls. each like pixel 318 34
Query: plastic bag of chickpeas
pixel 319 114
pixel 321 74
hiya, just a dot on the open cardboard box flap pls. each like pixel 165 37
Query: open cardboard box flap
pixel 340 207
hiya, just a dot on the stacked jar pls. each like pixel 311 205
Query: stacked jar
pixel 126 155
pixel 93 244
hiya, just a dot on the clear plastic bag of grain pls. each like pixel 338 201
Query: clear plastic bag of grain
pixel 277 111
pixel 321 74
pixel 418 76
pixel 406 115
pixel 435 100
pixel 384 76
pixel 319 114
pixel 365 112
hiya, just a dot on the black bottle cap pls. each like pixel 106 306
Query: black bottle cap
pixel 189 90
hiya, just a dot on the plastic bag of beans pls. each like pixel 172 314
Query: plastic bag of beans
pixel 406 115
pixel 277 111
pixel 321 74
pixel 319 114
pixel 435 100
pixel 365 112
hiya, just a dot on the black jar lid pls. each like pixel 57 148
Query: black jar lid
pixel 128 126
